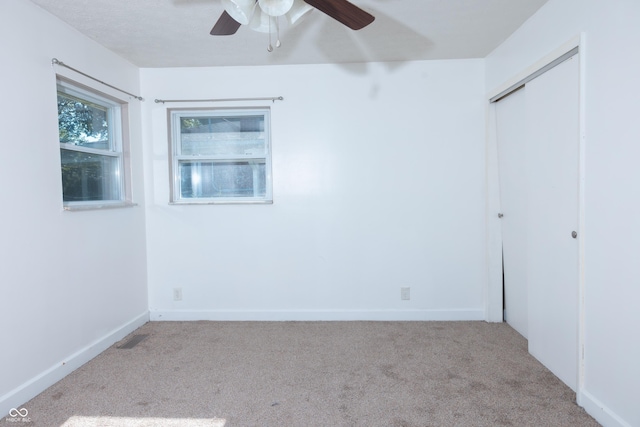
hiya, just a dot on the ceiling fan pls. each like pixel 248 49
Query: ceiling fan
pixel 262 15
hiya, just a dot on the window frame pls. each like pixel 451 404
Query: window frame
pixel 174 116
pixel 118 141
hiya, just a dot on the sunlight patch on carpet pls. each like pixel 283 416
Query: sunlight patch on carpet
pixel 103 421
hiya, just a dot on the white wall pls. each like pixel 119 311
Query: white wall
pixel 612 185
pixel 71 283
pixel 378 184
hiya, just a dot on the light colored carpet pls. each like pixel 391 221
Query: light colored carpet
pixel 223 374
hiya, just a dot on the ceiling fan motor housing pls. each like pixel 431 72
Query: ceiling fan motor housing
pixel 275 7
pixel 240 10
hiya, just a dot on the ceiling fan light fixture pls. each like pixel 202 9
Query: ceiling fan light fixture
pixel 240 10
pixel 275 7
pixel 299 10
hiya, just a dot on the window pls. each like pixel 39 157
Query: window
pixel 91 148
pixel 220 156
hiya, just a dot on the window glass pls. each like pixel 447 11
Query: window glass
pixel 87 177
pixel 222 179
pixel 82 123
pixel 222 136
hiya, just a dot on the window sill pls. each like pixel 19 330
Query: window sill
pixel 222 202
pixel 98 206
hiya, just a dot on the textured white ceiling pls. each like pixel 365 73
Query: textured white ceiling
pixel 175 33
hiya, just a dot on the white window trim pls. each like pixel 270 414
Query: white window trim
pixel 118 143
pixel 173 116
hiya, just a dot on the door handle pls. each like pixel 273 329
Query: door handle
pixel 574 234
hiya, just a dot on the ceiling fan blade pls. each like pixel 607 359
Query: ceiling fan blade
pixel 343 11
pixel 225 26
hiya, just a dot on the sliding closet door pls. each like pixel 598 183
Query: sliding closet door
pixel 511 139
pixel 552 122
pixel 538 152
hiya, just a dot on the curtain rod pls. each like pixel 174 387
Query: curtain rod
pixel 272 99
pixel 55 61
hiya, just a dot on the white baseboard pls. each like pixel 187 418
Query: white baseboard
pixel 317 315
pixel 599 411
pixel 42 381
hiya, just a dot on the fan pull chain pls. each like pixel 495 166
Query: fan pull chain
pixel 270 47
pixel 278 44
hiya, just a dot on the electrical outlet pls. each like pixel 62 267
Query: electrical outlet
pixel 405 294
pixel 177 294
